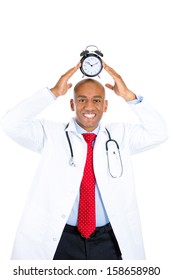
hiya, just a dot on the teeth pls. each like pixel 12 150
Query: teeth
pixel 89 116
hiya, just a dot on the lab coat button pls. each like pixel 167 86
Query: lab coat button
pixel 54 239
pixel 63 216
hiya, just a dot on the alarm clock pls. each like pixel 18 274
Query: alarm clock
pixel 91 62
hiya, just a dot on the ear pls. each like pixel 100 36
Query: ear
pixel 105 106
pixel 72 104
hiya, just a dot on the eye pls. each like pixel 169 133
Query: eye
pixel 96 100
pixel 82 100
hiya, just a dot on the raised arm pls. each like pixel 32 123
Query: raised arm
pixel 20 122
pixel 152 130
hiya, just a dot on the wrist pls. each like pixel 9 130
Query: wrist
pixel 54 91
pixel 129 96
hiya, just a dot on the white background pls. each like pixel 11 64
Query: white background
pixel 40 40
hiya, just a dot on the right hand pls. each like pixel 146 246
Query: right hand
pixel 62 85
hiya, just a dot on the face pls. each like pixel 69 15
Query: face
pixel 89 104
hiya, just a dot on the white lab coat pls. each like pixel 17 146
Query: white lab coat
pixel 56 183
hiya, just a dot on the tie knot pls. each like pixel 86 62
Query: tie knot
pixel 89 137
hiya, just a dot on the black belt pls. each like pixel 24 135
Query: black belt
pixel 98 231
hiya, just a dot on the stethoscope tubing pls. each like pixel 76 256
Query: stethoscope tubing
pixel 71 162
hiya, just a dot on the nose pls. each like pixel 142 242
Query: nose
pixel 89 105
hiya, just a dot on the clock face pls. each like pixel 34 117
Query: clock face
pixel 91 65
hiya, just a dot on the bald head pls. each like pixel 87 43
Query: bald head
pixel 90 83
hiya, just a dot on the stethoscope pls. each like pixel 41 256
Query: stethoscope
pixel 115 165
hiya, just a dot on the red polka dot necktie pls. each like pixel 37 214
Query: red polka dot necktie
pixel 86 214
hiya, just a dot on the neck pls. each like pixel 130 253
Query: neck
pixel 81 130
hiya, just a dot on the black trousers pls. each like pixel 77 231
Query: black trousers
pixel 101 245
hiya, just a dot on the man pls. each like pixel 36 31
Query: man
pixel 65 217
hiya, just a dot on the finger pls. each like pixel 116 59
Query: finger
pixel 69 86
pixel 110 70
pixel 71 71
pixel 109 86
pixel 106 67
pixel 103 63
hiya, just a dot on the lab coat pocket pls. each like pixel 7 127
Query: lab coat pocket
pixel 34 223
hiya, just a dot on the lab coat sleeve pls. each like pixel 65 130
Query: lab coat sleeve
pixel 151 130
pixel 21 125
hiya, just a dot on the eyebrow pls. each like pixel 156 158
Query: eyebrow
pixel 84 96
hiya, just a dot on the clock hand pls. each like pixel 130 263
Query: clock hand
pixel 88 63
pixel 95 63
pixel 91 64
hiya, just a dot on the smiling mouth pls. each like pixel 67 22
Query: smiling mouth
pixel 89 116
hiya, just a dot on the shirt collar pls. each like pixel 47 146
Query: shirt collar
pixel 80 130
pixel 73 126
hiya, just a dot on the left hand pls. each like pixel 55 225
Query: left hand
pixel 119 86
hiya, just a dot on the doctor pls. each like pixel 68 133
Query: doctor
pixel 49 227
